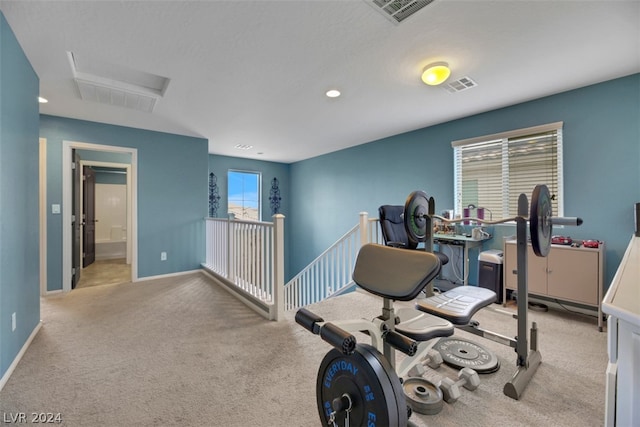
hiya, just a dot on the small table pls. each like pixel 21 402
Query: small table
pixel 466 243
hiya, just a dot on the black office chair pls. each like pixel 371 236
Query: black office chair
pixel 393 231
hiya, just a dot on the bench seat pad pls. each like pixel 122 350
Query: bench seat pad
pixel 421 326
pixel 457 305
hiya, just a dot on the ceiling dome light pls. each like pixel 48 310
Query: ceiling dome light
pixel 333 93
pixel 42 100
pixel 436 73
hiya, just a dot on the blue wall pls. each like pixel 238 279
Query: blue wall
pixel 220 165
pixel 19 223
pixel 601 170
pixel 172 188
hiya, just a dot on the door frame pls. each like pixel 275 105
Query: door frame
pixel 127 169
pixel 132 230
pixel 43 214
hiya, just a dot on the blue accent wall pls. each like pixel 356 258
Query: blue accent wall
pixel 19 221
pixel 172 192
pixel 601 139
pixel 220 165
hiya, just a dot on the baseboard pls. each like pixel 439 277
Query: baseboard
pixel 21 353
pixel 164 276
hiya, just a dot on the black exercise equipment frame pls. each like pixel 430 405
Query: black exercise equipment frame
pixel 418 215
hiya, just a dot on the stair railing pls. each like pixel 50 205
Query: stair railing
pixel 330 273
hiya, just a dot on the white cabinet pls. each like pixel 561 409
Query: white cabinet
pixel 567 274
pixel 622 304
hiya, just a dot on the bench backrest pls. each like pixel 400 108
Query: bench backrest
pixel 393 273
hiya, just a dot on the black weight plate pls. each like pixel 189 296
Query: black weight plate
pixel 415 209
pixel 540 227
pixel 461 353
pixel 375 390
pixel 423 396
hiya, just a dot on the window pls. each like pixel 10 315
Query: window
pixel 492 171
pixel 244 194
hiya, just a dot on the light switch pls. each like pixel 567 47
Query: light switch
pixel 55 209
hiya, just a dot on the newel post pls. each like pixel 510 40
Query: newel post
pixel 364 228
pixel 278 267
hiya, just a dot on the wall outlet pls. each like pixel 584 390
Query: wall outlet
pixel 163 256
pixel 13 322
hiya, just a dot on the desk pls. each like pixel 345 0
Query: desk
pixel 465 242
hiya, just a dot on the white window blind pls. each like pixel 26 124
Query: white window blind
pixel 491 171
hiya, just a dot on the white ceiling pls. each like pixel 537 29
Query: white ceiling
pixel 255 72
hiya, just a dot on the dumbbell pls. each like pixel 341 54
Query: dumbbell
pixel 433 359
pixel 468 378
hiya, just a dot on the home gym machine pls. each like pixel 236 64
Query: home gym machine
pixel 418 215
pixel 358 384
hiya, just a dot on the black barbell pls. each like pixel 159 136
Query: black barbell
pixel 419 210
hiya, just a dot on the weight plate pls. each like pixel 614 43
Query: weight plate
pixel 461 353
pixel 376 394
pixel 540 227
pixel 423 396
pixel 416 208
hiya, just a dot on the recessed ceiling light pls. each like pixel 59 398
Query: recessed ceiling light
pixel 42 100
pixel 333 93
pixel 243 147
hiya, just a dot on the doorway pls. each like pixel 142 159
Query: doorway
pixel 69 220
pixel 104 223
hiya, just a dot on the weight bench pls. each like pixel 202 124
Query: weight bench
pixel 395 275
pixel 400 275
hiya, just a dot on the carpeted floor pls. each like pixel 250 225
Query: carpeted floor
pixel 182 351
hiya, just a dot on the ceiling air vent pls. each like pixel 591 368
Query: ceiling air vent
pixel 112 84
pixel 90 91
pixel 398 10
pixel 459 85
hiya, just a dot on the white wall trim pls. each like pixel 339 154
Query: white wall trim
pixel 251 302
pixel 132 231
pixel 163 276
pixel 18 357
pixel 42 192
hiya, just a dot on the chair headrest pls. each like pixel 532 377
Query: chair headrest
pixel 392 213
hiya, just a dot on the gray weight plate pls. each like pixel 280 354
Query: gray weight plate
pixel 423 396
pixel 461 353
pixel 416 208
pixel 540 227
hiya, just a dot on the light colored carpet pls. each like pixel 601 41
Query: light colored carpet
pixel 182 351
